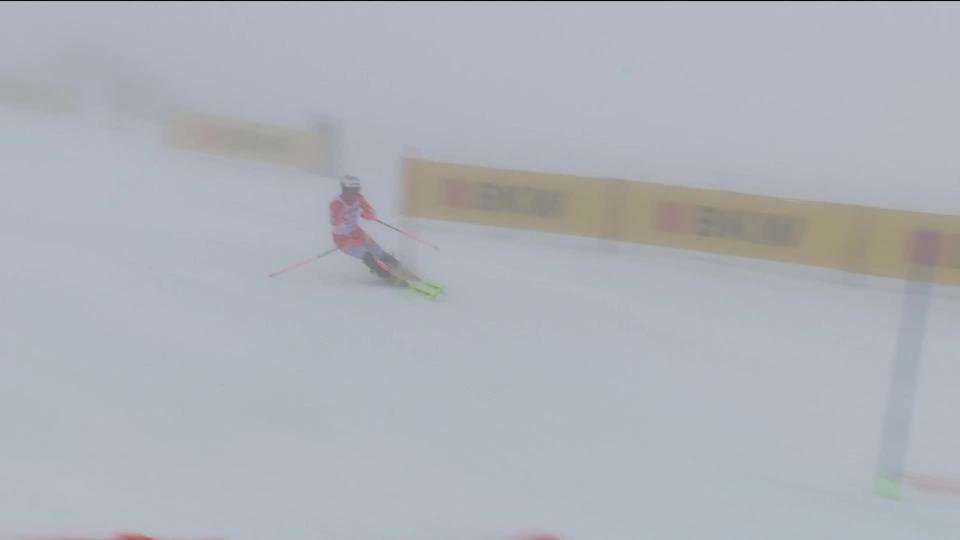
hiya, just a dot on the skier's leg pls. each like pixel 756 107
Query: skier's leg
pixel 374 257
pixel 392 263
pixel 377 251
pixel 390 260
pixel 367 254
pixel 375 265
pixel 382 255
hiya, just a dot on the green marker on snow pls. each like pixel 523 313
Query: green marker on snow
pixel 886 488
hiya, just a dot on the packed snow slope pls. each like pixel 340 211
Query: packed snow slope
pixel 155 379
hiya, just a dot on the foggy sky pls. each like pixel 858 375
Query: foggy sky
pixel 856 101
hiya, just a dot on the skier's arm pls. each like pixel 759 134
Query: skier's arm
pixel 336 220
pixel 368 212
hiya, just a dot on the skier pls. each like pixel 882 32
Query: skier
pixel 345 212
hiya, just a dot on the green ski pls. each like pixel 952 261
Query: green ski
pixel 427 289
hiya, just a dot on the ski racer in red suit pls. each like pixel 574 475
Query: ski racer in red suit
pixel 345 213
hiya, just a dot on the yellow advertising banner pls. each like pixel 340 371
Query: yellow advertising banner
pixel 843 237
pixel 514 199
pixel 738 224
pixel 39 96
pixel 255 141
pixel 904 242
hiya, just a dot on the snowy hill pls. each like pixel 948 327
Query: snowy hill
pixel 155 379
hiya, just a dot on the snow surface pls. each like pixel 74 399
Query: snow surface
pixel 155 379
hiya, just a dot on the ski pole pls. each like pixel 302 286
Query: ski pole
pixel 410 235
pixel 303 262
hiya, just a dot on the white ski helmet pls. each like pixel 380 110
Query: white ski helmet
pixel 350 183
